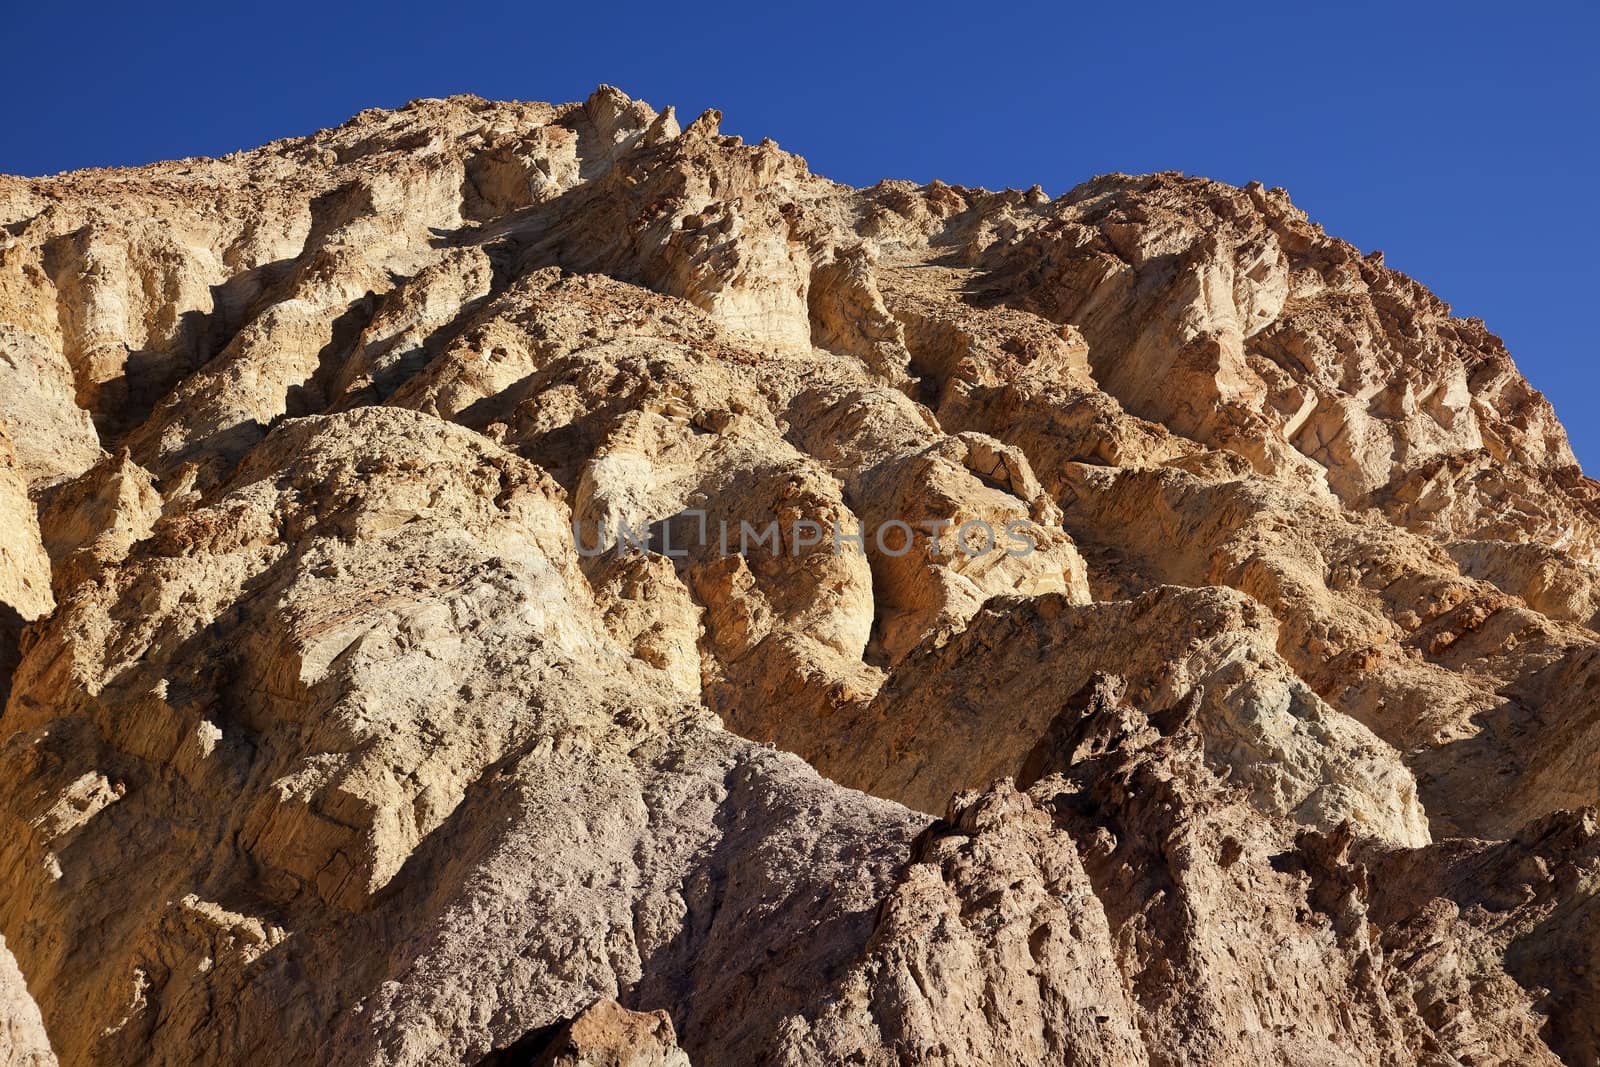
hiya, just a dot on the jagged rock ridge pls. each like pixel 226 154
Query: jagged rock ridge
pixel 326 737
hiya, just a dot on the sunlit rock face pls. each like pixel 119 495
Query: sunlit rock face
pixel 392 678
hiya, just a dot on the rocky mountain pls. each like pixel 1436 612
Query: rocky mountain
pixel 384 688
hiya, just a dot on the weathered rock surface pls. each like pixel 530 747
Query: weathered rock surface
pixel 605 1035
pixel 495 583
pixel 23 1041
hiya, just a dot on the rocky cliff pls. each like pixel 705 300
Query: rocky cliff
pixel 383 688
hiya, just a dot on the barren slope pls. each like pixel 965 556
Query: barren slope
pixel 330 739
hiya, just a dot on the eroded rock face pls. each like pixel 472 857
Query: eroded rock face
pixel 605 1035
pixel 23 1041
pixel 496 583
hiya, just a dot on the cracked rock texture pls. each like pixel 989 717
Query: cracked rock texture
pixel 381 687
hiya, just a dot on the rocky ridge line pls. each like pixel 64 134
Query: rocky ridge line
pixel 323 738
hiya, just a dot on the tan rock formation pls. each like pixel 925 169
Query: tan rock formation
pixel 605 1035
pixel 500 583
pixel 23 1041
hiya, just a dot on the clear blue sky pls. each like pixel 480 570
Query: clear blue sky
pixel 1460 138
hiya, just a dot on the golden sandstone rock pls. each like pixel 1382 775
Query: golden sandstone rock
pixel 499 583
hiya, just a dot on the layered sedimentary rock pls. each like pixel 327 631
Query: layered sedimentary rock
pixel 504 583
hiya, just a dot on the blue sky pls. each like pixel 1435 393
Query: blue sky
pixel 1461 139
